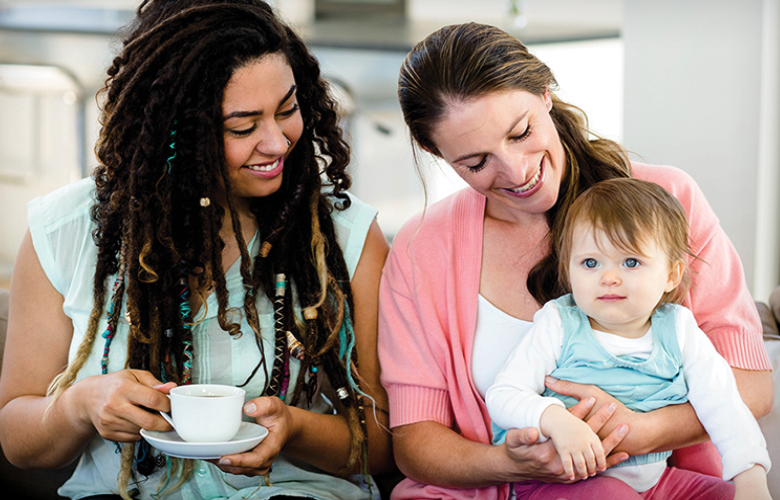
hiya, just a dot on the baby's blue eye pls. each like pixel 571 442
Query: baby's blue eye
pixel 590 263
pixel 632 263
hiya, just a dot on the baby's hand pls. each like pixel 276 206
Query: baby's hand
pixel 751 484
pixel 578 446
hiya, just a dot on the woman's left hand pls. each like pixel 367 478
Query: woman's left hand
pixel 274 415
pixel 581 392
pixel 667 428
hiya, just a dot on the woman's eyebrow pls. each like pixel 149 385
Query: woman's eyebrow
pixel 244 114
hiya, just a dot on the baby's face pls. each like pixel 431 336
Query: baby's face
pixel 618 289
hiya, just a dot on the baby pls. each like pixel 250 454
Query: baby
pixel 623 253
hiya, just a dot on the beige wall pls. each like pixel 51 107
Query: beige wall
pixel 701 93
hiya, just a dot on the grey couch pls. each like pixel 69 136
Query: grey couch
pixel 42 485
pixel 770 424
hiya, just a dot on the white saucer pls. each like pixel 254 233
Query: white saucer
pixel 249 435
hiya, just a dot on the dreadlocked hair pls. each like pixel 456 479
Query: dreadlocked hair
pixel 161 150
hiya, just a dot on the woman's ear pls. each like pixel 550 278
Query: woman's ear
pixel 675 275
pixel 547 98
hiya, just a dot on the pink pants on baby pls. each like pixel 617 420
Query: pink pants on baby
pixel 675 484
pixel 702 458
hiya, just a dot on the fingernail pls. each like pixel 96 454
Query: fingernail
pixel 224 461
pixel 250 408
pixel 612 407
pixel 623 430
pixel 591 402
pixel 528 434
pixel 550 379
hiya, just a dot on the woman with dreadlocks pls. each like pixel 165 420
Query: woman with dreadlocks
pixel 215 243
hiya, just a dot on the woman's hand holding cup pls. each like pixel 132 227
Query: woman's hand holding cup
pixel 273 414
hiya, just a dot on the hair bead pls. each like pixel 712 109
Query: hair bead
pixel 265 249
pixel 296 348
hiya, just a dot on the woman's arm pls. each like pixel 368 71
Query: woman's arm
pixel 756 389
pixel 38 340
pixel 365 286
pixel 671 427
pixel 730 320
pixel 431 453
pixel 323 440
pixel 714 395
pixel 663 429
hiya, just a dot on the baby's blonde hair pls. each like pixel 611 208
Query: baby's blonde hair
pixel 630 212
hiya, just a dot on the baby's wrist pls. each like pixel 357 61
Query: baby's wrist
pixel 553 418
pixel 750 477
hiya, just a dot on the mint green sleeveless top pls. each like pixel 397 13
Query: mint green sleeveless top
pixel 61 229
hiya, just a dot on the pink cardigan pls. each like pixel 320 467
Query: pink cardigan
pixel 428 307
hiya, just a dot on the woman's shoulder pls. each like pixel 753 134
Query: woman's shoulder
pixel 352 224
pixel 62 205
pixel 61 227
pixel 661 174
pixel 352 214
pixel 438 221
pixel 675 180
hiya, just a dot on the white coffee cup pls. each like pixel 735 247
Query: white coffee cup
pixel 206 413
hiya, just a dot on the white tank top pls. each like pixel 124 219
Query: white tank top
pixel 496 334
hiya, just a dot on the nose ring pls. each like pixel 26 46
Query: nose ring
pixel 289 142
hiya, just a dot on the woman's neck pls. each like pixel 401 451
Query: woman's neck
pixel 502 214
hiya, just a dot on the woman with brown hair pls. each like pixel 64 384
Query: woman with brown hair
pixel 464 280
pixel 215 243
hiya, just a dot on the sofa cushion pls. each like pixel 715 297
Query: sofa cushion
pixel 4 295
pixel 770 327
pixel 770 424
pixel 774 303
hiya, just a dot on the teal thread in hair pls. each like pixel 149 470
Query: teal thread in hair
pixel 156 496
pixel 172 147
pixel 113 309
pixel 185 313
pixel 346 346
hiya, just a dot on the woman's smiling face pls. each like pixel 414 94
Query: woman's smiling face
pixel 505 146
pixel 262 123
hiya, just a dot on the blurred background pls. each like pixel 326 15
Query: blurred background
pixel 690 83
